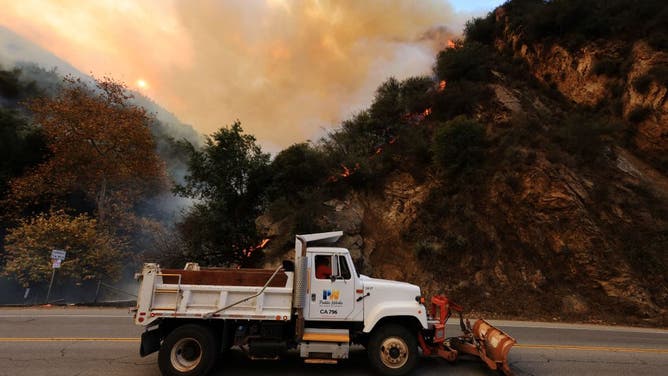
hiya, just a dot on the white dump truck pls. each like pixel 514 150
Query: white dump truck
pixel 317 304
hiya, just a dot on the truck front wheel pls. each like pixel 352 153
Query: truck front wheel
pixel 393 350
pixel 188 350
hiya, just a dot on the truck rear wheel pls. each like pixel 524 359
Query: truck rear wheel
pixel 188 350
pixel 393 350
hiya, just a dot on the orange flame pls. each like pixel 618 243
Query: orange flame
pixel 451 44
pixel 248 252
pixel 442 85
pixel 426 112
pixel 262 243
pixel 345 173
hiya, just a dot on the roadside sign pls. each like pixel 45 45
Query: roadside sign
pixel 57 257
pixel 58 254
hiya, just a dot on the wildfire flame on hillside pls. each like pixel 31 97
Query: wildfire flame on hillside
pixel 451 44
pixel 345 173
pixel 414 118
pixel 248 252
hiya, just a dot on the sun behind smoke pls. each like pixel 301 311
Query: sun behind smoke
pixel 142 84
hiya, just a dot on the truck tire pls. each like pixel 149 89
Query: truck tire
pixel 187 351
pixel 393 350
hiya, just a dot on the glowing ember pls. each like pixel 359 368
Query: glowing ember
pixel 442 85
pixel 426 112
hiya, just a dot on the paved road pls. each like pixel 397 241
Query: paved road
pixel 90 341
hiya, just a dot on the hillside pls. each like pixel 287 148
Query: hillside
pixel 527 179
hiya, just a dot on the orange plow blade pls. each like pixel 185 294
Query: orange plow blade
pixel 488 343
pixel 483 340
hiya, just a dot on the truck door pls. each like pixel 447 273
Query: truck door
pixel 332 288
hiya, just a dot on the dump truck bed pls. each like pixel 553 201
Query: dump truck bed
pixel 199 293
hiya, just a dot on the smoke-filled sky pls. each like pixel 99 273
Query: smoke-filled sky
pixel 286 69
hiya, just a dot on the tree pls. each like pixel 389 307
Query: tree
pixel 92 253
pixel 100 146
pixel 459 145
pixel 228 177
pixel 471 61
pixel 294 169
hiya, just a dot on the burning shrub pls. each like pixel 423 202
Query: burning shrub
pixel 460 98
pixel 414 94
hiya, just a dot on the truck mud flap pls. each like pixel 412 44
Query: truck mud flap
pixel 150 342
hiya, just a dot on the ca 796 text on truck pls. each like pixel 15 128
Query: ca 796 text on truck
pixel 318 305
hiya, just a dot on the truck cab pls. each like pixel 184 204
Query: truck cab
pixel 345 295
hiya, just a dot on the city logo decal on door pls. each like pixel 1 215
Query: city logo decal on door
pixel 330 298
pixel 330 295
pixel 330 301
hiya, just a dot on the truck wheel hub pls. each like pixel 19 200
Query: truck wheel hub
pixel 394 352
pixel 186 354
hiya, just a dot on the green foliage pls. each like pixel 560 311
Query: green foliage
pixel 294 169
pixel 585 136
pixel 472 61
pixel 414 94
pixel 21 146
pixel 92 253
pixel 459 145
pixel 460 98
pixel 10 87
pixel 228 176
pixel 385 110
pixel 573 22
pixel 481 30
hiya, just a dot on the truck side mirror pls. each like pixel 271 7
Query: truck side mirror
pixel 332 278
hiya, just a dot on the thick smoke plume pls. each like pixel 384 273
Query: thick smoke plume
pixel 286 69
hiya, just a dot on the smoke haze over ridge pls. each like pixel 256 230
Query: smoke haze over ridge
pixel 285 69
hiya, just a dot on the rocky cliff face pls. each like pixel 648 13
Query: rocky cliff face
pixel 580 76
pixel 538 235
